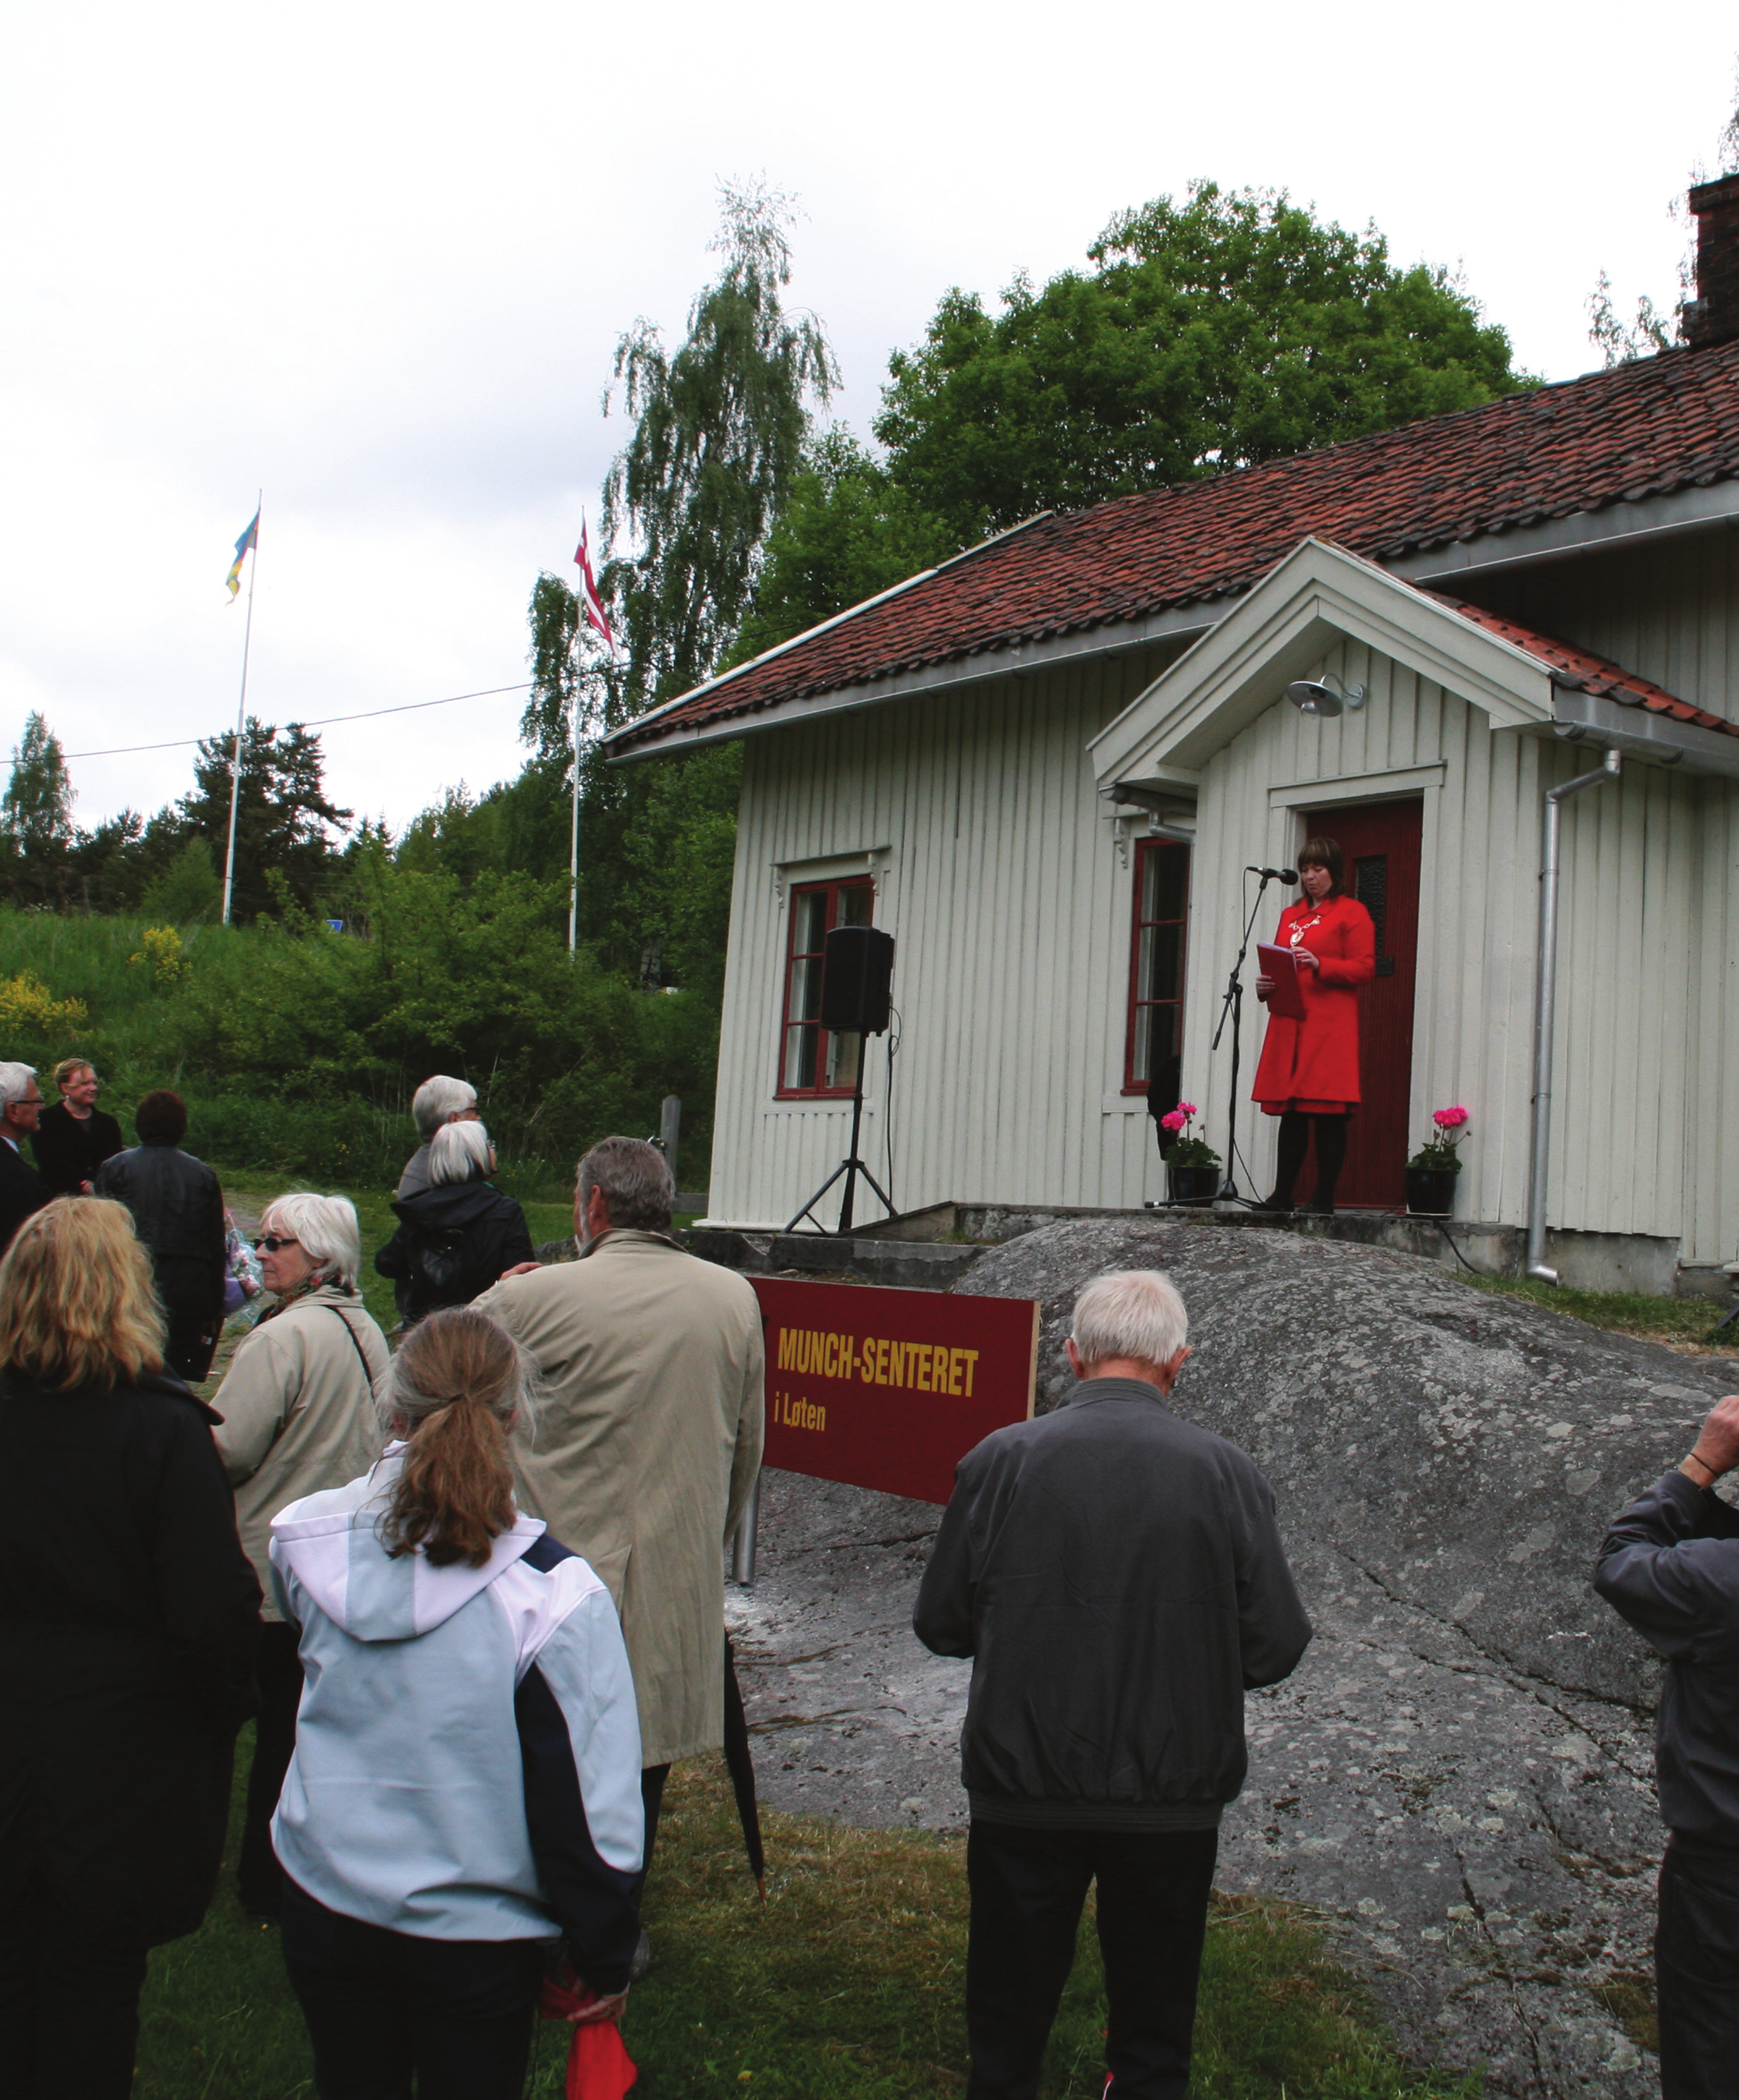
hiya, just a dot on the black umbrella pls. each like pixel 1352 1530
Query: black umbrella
pixel 741 1767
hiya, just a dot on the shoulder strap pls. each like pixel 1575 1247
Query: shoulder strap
pixel 367 1376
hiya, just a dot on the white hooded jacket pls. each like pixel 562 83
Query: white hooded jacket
pixel 467 1762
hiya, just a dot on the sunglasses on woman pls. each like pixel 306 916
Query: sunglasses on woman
pixel 270 1246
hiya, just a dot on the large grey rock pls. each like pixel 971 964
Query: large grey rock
pixel 1460 1773
pixel 1462 1448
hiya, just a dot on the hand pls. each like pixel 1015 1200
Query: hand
pixel 1717 1448
pixel 1265 985
pixel 1308 958
pixel 600 2009
pixel 88 1187
pixel 520 1268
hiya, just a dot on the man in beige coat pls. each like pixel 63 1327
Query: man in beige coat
pixel 648 1442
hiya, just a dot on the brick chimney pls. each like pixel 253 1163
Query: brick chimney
pixel 1713 315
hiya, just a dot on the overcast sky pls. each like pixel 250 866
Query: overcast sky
pixel 374 258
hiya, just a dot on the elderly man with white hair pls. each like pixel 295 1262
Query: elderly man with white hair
pixel 23 1190
pixel 436 1103
pixel 298 1417
pixel 1116 1576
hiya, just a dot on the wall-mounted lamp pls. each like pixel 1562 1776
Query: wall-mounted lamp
pixel 1317 696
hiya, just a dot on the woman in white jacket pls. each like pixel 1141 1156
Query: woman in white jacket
pixel 465 1794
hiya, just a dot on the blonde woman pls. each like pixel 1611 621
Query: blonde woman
pixel 298 1409
pixel 129 1617
pixel 465 1792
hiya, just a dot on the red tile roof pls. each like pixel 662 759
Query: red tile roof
pixel 1583 671
pixel 1647 429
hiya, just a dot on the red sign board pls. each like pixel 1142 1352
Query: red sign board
pixel 890 1389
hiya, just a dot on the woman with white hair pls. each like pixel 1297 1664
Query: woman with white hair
pixel 297 1405
pixel 458 1236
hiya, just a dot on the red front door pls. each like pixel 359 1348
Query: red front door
pixel 1381 843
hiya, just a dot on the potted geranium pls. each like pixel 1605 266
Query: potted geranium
pixel 1431 1172
pixel 1191 1165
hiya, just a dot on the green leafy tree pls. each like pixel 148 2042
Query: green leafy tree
pixel 188 892
pixel 1230 328
pixel 848 532
pixel 284 821
pixel 720 428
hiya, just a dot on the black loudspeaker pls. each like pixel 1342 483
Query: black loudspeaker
pixel 857 970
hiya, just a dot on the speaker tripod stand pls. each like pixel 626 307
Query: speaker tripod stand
pixel 851 1167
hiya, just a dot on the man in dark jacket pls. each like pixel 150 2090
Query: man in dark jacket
pixel 1671 1565
pixel 22 1188
pixel 1117 1575
pixel 178 1212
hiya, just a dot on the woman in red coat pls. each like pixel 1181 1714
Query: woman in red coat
pixel 1309 1072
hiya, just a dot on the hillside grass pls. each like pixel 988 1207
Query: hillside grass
pixel 847 1981
pixel 1684 1324
pixel 298 1049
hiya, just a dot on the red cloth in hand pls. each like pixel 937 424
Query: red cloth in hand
pixel 598 2067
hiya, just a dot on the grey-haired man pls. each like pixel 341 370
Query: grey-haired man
pixel 23 1190
pixel 1116 1576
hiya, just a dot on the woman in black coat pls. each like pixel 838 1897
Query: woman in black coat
pixel 73 1138
pixel 129 1617
pixel 457 1236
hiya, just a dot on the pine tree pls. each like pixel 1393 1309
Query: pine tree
pixel 36 815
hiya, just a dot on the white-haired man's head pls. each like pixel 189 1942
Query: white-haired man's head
pixel 442 1101
pixel 1131 1324
pixel 460 1152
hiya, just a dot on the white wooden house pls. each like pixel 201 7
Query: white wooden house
pixel 1045 766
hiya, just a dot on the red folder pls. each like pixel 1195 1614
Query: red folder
pixel 1281 965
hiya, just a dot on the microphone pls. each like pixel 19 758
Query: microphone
pixel 1274 874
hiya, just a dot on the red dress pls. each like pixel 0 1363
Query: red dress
pixel 1312 1064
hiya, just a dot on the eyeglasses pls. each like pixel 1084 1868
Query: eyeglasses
pixel 269 1246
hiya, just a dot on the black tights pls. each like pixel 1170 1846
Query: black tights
pixel 1331 1152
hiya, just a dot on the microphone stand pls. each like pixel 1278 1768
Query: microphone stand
pixel 1232 1009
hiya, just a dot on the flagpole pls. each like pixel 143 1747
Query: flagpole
pixel 573 850
pixel 241 709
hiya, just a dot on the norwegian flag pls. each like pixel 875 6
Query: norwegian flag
pixel 588 598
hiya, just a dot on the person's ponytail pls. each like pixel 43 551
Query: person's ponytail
pixel 454 1390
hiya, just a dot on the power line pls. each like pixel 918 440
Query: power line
pixel 323 722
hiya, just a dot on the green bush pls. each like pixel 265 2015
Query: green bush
pixel 297 1048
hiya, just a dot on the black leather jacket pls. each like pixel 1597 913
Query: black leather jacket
pixel 178 1212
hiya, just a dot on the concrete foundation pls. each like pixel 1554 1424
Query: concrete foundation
pixel 926 1250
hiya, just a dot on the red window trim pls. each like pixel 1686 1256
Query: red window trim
pixel 1143 847
pixel 833 887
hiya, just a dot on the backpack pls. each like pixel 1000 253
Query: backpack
pixel 440 1267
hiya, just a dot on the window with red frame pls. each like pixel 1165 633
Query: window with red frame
pixel 1155 1044
pixel 814 1059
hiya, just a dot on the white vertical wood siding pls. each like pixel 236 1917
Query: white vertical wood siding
pixel 1625 1138
pixel 1010 905
pixel 1669 611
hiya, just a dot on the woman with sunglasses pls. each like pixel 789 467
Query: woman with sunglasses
pixel 298 1404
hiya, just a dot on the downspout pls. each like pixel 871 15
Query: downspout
pixel 1544 1001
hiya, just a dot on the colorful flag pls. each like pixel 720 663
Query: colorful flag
pixel 588 598
pixel 249 540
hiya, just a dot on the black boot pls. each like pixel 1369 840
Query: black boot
pixel 1295 1137
pixel 1331 1154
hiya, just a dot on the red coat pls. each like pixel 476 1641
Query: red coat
pixel 1312 1063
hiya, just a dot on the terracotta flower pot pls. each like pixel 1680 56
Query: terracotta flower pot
pixel 1431 1191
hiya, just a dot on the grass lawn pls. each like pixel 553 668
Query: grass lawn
pixel 847 1981
pixel 1684 1324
